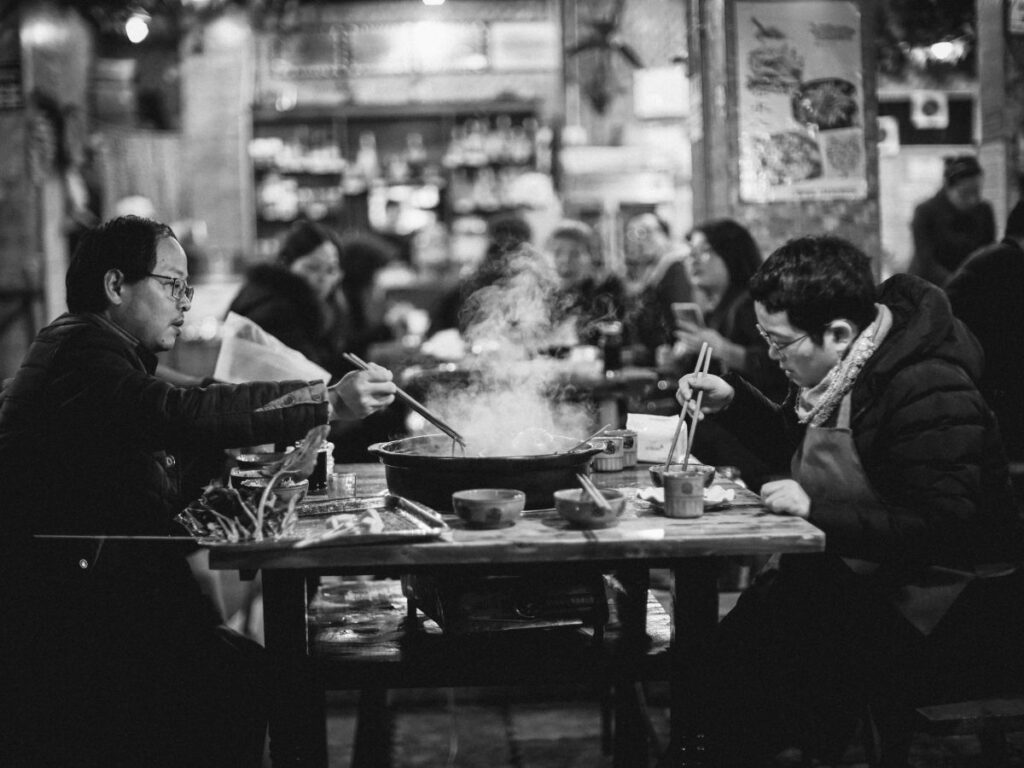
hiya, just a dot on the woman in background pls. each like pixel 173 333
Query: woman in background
pixel 299 299
pixel 722 258
pixel 296 298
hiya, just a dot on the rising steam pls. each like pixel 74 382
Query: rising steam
pixel 513 405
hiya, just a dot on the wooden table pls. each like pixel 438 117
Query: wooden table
pixel 644 539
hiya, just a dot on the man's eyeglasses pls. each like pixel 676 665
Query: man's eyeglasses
pixel 778 349
pixel 180 289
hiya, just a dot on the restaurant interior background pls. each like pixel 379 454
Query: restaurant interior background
pixel 233 118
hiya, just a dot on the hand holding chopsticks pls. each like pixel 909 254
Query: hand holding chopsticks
pixel 417 406
pixel 703 361
pixel 594 492
pixel 695 421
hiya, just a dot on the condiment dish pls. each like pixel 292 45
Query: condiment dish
pixel 488 507
pixel 576 506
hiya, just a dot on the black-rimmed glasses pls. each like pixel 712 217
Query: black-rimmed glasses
pixel 778 349
pixel 180 289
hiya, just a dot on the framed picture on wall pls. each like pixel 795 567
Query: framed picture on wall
pixel 800 101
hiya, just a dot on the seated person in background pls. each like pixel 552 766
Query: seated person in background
pixel 296 299
pixel 955 222
pixel 722 258
pixel 588 293
pixel 110 650
pixel 506 234
pixel 655 279
pixel 720 262
pixel 363 256
pixel 302 300
pixel 987 293
pixel 894 454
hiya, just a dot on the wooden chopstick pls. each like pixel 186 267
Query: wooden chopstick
pixel 413 403
pixel 682 414
pixel 696 413
pixel 586 440
pixel 593 492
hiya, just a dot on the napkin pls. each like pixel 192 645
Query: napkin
pixel 248 353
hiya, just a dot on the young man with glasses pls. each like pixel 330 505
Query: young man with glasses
pixel 889 448
pixel 110 650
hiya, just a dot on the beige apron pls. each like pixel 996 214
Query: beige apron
pixel 829 469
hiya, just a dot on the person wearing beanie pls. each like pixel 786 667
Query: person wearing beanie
pixel 985 293
pixel 954 222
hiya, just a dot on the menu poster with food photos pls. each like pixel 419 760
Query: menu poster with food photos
pixel 801 101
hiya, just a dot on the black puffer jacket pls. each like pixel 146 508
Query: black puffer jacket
pixel 85 431
pixel 925 436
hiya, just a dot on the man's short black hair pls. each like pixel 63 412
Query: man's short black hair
pixel 815 280
pixel 127 244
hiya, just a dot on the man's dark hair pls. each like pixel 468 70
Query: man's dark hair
pixel 127 244
pixel 815 280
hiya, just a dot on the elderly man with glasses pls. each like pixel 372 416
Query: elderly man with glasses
pixel 110 651
pixel 887 445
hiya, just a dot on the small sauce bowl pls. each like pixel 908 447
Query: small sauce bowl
pixel 576 506
pixel 657 471
pixel 488 507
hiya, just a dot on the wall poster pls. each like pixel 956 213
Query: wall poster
pixel 801 101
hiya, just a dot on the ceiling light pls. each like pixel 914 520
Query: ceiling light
pixel 136 29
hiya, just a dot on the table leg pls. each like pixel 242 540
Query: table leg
pixel 630 745
pixel 298 728
pixel 374 725
pixel 694 620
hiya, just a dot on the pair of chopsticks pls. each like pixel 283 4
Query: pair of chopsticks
pixel 593 492
pixel 586 440
pixel 703 363
pixel 415 404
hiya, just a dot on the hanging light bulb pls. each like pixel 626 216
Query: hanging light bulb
pixel 136 29
pixel 433 2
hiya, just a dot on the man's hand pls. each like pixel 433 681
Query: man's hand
pixel 786 497
pixel 718 393
pixel 361 393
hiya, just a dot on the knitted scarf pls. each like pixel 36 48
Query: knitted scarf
pixel 815 404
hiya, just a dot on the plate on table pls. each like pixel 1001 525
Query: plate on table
pixel 715 497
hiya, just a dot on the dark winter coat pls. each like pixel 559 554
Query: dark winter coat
pixel 285 306
pixel 987 293
pixel 88 438
pixel 926 439
pixel 944 236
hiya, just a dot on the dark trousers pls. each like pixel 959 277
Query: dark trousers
pixel 810 644
pixel 171 696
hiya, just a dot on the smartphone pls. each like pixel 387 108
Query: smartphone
pixel 686 312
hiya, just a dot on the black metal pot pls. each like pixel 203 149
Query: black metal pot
pixel 427 470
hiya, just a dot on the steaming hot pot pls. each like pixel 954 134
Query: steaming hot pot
pixel 427 470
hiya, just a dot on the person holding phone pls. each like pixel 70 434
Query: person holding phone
pixel 722 258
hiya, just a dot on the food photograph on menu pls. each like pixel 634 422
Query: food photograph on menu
pixel 800 101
